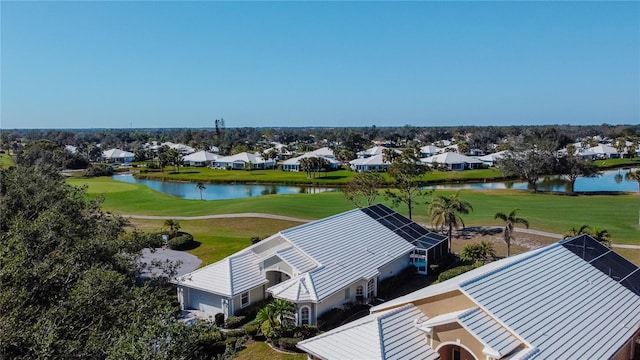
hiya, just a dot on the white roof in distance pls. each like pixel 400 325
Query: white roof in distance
pixel 201 156
pixel 450 158
pixel 117 153
pixel 243 157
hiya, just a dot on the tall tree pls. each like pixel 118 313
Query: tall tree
pixel 510 221
pixel 444 213
pixel 69 279
pixel 406 172
pixel 363 189
pixel 200 186
pixel 573 167
pixel 528 165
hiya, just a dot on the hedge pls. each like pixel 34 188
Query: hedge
pixel 448 274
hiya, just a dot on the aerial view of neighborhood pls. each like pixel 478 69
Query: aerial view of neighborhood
pixel 320 180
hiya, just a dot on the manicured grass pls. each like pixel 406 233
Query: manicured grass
pixel 220 238
pixel 260 350
pixel 548 212
pixel 615 163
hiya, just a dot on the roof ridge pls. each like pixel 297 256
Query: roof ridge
pixel 319 221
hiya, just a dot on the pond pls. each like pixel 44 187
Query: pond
pixel 605 182
pixel 186 190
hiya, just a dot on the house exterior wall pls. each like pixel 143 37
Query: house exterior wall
pixel 630 349
pixel 444 303
pixel 255 295
pixel 203 301
pixel 457 334
pixel 334 301
pixel 394 267
pixel 312 313
pixel 446 353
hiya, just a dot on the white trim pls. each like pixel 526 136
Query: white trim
pixel 308 314
pixel 248 292
pixel 458 343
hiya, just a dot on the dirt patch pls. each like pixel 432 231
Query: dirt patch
pixel 521 243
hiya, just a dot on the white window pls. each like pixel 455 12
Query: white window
pixel 245 299
pixel 304 315
pixel 347 294
pixel 360 290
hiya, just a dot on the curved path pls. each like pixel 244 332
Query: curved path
pixel 290 218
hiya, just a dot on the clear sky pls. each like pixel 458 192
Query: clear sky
pixel 184 64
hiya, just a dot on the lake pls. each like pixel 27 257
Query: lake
pixel 184 190
pixel 187 190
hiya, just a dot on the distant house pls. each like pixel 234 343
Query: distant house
pixel 575 299
pixel 453 161
pixel 183 149
pixel 318 266
pixel 492 159
pixel 118 156
pixel 324 152
pixel 373 163
pixel 200 158
pixel 245 160
pixel 293 164
pixel 603 151
pixel 376 150
pixel 430 150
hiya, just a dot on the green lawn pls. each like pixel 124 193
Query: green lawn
pixel 548 212
pixel 220 238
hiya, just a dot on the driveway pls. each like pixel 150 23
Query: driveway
pixel 188 262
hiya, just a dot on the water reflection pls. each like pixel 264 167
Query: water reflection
pixel 220 191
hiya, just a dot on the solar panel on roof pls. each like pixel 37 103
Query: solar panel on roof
pixel 404 235
pixel 585 247
pixel 410 231
pixel 395 221
pixel 614 265
pixel 632 282
pixel 369 212
pixel 419 229
pixel 427 240
pixel 388 224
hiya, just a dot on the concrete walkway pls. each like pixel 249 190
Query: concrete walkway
pixel 187 262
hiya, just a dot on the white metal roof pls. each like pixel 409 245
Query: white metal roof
pixel 604 149
pixel 231 276
pixel 116 153
pixel 372 160
pixel 385 335
pixel 497 340
pixel 430 149
pixel 560 304
pixel 325 151
pixel 450 158
pixel 294 257
pixel 201 156
pixel 296 160
pixel 298 289
pixel 244 157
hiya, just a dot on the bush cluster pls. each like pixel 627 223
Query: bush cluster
pixel 448 274
pixel 180 241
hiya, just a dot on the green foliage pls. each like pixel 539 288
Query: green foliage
pixel 407 174
pixel 251 329
pixel 444 212
pixel 219 319
pixel 234 322
pixel 68 275
pixel 362 190
pixel 98 170
pixel 289 344
pixel 510 221
pixel 180 241
pixel 448 274
pixel 481 252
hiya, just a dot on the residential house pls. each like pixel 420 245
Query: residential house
pixel 453 161
pixel 373 163
pixel 376 150
pixel 118 156
pixel 201 158
pixel 324 152
pixel 245 160
pixel 430 150
pixel 293 164
pixel 604 151
pixel 575 299
pixel 318 266
pixel 492 159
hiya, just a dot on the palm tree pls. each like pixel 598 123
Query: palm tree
pixel 201 187
pixel 510 221
pixel 173 225
pixel 481 252
pixel 574 231
pixel 634 176
pixel 601 235
pixel 444 212
pixel 274 315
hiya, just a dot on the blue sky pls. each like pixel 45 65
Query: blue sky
pixel 184 64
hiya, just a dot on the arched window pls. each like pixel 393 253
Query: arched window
pixel 304 315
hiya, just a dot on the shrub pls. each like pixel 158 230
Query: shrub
pixel 235 333
pixel 305 331
pixel 289 343
pixel 251 329
pixel 219 319
pixel 448 274
pixel 231 340
pixel 234 322
pixel 180 241
pixel 98 170
pixel 251 311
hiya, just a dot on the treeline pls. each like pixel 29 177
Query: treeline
pixel 233 140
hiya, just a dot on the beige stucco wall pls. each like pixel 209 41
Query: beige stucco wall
pixel 255 294
pixel 444 303
pixel 453 333
pixel 446 353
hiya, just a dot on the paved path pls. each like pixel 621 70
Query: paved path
pixel 188 262
pixel 219 216
pixel 290 218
